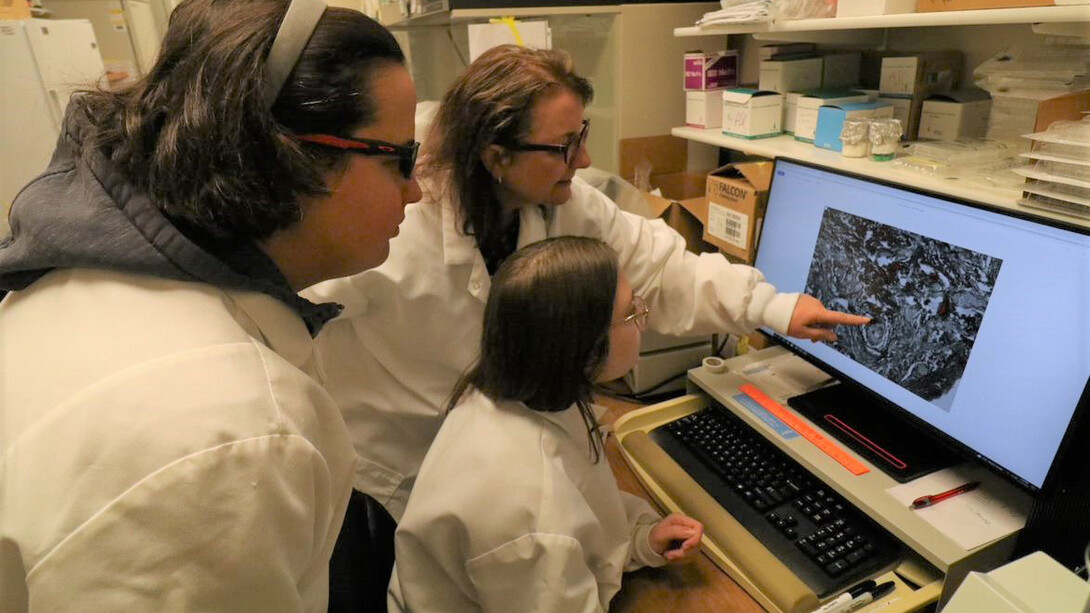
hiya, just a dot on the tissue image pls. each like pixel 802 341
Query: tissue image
pixel 927 297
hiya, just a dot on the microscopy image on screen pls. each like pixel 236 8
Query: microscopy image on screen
pixel 927 298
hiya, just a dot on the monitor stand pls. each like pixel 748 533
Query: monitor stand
pixel 900 448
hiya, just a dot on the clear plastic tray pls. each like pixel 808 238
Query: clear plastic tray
pixel 964 152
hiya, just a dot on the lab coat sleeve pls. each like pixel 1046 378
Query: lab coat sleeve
pixel 536 572
pixel 689 294
pixel 231 528
pixel 641 518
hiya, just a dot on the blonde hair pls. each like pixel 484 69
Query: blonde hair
pixel 492 102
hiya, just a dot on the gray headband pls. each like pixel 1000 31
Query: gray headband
pixel 295 30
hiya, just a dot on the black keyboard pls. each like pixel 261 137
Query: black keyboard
pixel 828 543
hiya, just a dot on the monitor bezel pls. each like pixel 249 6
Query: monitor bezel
pixel 1082 407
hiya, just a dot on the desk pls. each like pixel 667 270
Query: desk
pixel 698 586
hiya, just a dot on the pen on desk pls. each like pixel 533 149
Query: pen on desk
pixel 926 501
pixel 867 597
pixel 845 598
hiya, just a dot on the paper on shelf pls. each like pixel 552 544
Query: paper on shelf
pixel 972 519
pixel 784 376
pixel 484 36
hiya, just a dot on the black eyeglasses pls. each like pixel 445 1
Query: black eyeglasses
pixel 568 150
pixel 405 154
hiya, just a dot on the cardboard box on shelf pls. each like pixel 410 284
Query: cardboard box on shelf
pixel 737 195
pixel 840 69
pixel 789 75
pixel 831 120
pixel 967 5
pixel 915 74
pixel 957 114
pixel 716 70
pixel 908 111
pixel 807 113
pixel 682 203
pixel 866 8
pixel 790 111
pixel 750 113
pixel 704 109
pixel 1013 115
pixel 14 9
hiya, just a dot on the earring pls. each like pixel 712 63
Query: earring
pixel 499 179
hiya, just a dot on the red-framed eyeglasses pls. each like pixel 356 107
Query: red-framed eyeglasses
pixel 405 154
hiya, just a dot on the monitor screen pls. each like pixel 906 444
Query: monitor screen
pixel 981 319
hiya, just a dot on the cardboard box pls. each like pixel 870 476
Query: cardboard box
pixel 704 109
pixel 682 204
pixel 771 50
pixel 14 9
pixel 957 114
pixel 806 117
pixel 1014 115
pixel 790 111
pixel 866 8
pixel 704 71
pixel 737 195
pixel 920 73
pixel 789 75
pixel 840 70
pixel 965 5
pixel 750 113
pixel 831 120
pixel 908 111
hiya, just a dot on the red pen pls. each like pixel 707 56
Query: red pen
pixel 926 501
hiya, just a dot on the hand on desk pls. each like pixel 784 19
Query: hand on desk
pixel 811 320
pixel 673 529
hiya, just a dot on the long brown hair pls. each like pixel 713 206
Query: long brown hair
pixel 490 103
pixel 197 135
pixel 546 328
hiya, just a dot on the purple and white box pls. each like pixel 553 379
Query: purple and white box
pixel 715 70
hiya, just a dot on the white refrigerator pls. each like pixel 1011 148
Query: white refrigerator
pixel 42 62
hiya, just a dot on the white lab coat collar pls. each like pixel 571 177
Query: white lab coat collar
pixel 459 249
pixel 279 328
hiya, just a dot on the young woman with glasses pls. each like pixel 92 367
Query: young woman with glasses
pixel 539 523
pixel 498 172
pixel 166 442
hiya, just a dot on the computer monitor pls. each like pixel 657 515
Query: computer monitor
pixel 981 330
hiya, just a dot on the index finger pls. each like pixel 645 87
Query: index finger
pixel 844 319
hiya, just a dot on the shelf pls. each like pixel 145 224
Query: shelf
pixel 786 146
pixel 546 11
pixel 1044 14
pixel 456 16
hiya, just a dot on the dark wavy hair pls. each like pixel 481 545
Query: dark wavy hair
pixel 546 328
pixel 490 103
pixel 196 132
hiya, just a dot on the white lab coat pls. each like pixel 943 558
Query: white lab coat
pixel 511 513
pixel 165 448
pixel 412 326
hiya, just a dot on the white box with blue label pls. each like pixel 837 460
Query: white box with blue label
pixel 806 116
pixel 752 113
pixel 831 120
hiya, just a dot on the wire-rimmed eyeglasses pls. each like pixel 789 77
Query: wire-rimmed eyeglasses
pixel 569 149
pixel 405 154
